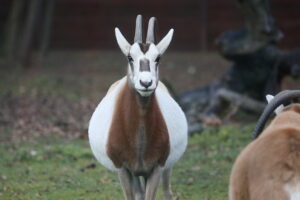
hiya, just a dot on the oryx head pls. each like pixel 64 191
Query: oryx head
pixel 143 58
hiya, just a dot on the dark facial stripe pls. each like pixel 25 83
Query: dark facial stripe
pixel 144 65
pixel 144 47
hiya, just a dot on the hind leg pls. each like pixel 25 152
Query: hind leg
pixel 138 189
pixel 166 175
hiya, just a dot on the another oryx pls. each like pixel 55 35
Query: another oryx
pixel 138 130
pixel 269 167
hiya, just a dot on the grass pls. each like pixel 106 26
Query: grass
pixel 60 169
pixel 17 83
pixel 56 169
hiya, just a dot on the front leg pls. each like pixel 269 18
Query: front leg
pixel 126 182
pixel 166 175
pixel 152 183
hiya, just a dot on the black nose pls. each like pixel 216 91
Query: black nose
pixel 146 84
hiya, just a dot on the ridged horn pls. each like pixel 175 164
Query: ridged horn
pixel 138 36
pixel 281 98
pixel 151 31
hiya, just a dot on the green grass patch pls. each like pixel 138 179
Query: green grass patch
pixel 17 82
pixel 55 169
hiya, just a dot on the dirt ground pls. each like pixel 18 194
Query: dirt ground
pixel 184 70
pixel 57 95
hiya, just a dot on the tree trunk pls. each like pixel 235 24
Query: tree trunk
pixel 258 68
pixel 46 29
pixel 12 29
pixel 26 42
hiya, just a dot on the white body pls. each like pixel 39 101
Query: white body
pixel 102 119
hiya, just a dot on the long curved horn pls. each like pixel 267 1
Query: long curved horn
pixel 151 31
pixel 138 36
pixel 280 98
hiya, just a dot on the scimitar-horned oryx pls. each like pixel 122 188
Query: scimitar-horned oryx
pixel 138 130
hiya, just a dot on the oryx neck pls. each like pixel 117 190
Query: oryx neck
pixel 142 102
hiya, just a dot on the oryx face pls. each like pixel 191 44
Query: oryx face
pixel 143 58
pixel 143 67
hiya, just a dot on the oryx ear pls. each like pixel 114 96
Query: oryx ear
pixel 164 43
pixel 122 42
pixel 269 97
pixel 279 109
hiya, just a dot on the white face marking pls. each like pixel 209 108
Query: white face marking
pixel 144 81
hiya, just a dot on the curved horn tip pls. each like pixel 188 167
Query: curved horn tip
pixel 152 21
pixel 152 18
pixel 280 98
pixel 269 98
pixel 122 42
pixel 151 30
pixel 139 18
pixel 117 31
pixel 171 32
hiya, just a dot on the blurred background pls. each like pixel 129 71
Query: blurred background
pixel 89 24
pixel 59 57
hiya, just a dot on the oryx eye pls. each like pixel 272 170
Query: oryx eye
pixel 157 59
pixel 130 59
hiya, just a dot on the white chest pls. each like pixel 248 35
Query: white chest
pixel 101 121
